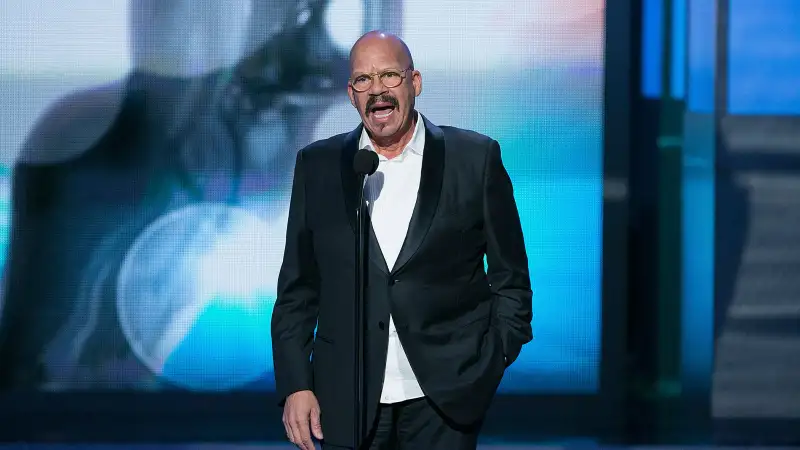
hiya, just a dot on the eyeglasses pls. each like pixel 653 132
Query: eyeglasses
pixel 390 78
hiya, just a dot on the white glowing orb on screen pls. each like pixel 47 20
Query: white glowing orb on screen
pixel 343 21
pixel 195 296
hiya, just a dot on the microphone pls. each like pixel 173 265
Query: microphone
pixel 365 162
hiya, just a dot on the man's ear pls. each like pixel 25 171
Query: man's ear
pixel 352 95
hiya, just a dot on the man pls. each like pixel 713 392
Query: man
pixel 440 329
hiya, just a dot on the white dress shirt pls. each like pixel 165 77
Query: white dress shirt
pixel 391 194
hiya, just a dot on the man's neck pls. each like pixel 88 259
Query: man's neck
pixel 393 146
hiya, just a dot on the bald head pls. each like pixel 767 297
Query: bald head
pixel 382 42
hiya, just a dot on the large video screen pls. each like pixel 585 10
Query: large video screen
pixel 146 156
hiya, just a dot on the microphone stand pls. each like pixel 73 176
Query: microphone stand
pixel 360 281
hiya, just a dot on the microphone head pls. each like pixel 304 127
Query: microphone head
pixel 365 162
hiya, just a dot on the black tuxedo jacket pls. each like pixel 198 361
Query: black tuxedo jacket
pixel 459 324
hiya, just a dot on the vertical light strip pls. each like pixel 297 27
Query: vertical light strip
pixel 697 338
pixel 678 69
pixel 652 40
pixel 701 55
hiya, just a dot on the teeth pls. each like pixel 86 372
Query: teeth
pixel 381 116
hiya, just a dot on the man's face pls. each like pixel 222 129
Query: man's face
pixel 385 111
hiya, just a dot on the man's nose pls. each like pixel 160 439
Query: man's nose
pixel 377 87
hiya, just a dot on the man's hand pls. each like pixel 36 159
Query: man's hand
pixel 301 412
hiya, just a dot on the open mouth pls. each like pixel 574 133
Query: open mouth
pixel 382 111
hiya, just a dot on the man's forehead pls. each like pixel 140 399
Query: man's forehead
pixel 376 66
pixel 375 55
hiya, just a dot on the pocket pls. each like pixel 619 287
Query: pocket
pixel 471 321
pixel 322 338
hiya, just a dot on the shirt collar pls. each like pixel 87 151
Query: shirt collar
pixel 416 145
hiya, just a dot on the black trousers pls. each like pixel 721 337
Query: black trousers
pixel 416 425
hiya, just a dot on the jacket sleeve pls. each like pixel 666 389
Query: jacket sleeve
pixel 294 317
pixel 506 257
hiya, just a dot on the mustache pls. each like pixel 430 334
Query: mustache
pixel 384 98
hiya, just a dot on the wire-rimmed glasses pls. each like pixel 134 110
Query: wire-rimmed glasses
pixel 390 78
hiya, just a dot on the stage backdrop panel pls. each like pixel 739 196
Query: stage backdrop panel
pixel 146 153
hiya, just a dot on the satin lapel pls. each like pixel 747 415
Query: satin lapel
pixel 375 253
pixel 349 178
pixel 351 187
pixel 430 189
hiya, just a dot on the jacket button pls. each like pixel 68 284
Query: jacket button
pixel 381 325
pixel 392 282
